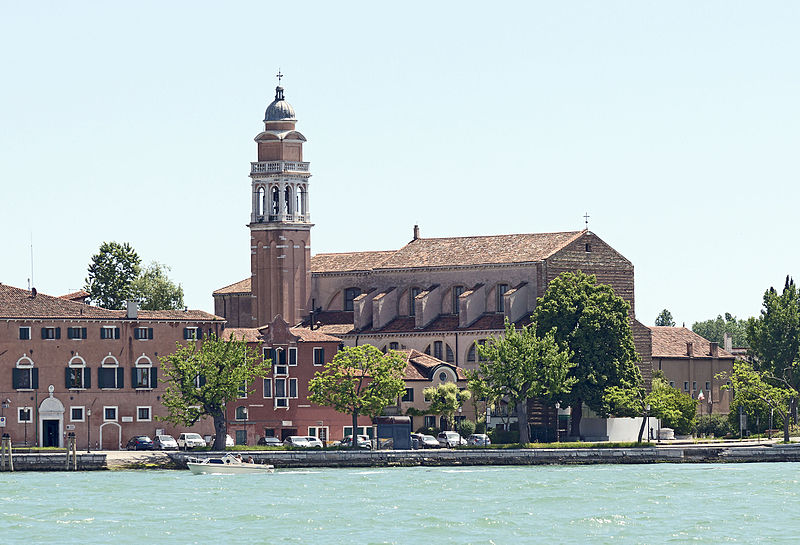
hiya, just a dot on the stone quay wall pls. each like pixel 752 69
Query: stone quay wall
pixel 57 462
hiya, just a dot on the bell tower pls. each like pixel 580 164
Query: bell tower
pixel 280 223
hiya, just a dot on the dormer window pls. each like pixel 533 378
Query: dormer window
pixel 457 291
pixel 349 296
pixel 412 295
pixel 501 291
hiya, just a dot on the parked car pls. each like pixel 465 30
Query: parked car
pixel 426 441
pixel 228 441
pixel 450 439
pixel 140 442
pixel 165 442
pixel 479 440
pixel 314 441
pixel 190 440
pixel 296 441
pixel 270 442
pixel 362 441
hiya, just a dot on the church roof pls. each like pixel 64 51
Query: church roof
pixel 670 342
pixel 419 366
pixel 254 334
pixel 450 252
pixel 16 303
pixel 279 109
pixel 242 286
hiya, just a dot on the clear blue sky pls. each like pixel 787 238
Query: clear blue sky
pixel 674 125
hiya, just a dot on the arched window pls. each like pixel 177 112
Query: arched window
pixel 472 351
pixel 287 196
pixel 241 413
pixel 110 375
pixel 261 201
pixel 349 295
pixel 276 201
pixel 143 375
pixel 25 376
pixel 78 376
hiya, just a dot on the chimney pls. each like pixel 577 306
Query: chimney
pixel 133 309
pixel 416 232
pixel 727 341
pixel 690 349
pixel 714 350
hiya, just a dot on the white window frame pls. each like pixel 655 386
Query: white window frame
pixel 19 415
pixel 317 350
pixel 149 413
pixel 264 390
pixel 49 337
pixel 292 381
pixel 116 413
pixel 141 329
pixel 291 350
pixel 83 413
pixel 362 430
pixel 281 371
pixel 242 393
pixel 110 331
pixel 109 362
pixel 236 413
pixel 144 362
pixel 281 402
pixel 313 431
pixel 29 366
pixel 20 332
pixel 191 333
pixel 77 362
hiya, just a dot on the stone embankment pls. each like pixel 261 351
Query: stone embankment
pixel 46 461
pixel 479 457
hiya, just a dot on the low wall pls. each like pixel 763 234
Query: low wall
pixel 57 462
pixel 478 457
pixel 615 429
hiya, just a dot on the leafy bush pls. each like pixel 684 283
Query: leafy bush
pixel 480 427
pixel 428 431
pixel 466 428
pixel 714 424
pixel 503 437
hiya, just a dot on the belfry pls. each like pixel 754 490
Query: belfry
pixel 280 223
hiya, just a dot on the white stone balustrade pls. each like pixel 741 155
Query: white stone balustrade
pixel 267 167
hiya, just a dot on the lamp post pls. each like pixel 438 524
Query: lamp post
pixel 558 431
pixel 647 420
pixel 88 430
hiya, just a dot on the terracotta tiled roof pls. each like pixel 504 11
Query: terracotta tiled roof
pixel 419 365
pixel 242 286
pixel 313 335
pixel 20 304
pixel 246 334
pixel 80 296
pixel 449 252
pixel 670 342
pixel 254 334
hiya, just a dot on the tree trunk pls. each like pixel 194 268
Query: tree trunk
pixel 641 429
pixel 522 419
pixel 575 419
pixel 220 430
pixel 354 443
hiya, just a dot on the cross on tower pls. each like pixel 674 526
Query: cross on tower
pixel 279 76
pixel 586 219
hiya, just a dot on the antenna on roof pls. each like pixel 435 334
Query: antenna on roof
pixel 586 219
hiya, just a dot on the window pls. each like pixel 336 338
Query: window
pixel 501 291
pixel 293 388
pixel 241 413
pixel 293 355
pixel 412 295
pixel 78 376
pixel 457 291
pixel 76 333
pixel 708 386
pixel 408 397
pixel 449 356
pixel 76 414
pixel 430 421
pixel 472 352
pixel 243 390
pixel 281 403
pixel 241 437
pixel 109 332
pixel 319 356
pixel 25 376
pixel 143 333
pixel 686 386
pixel 51 333
pixel 199 381
pixel 110 375
pixel 394 346
pixel 349 295
pixel 277 355
pixel 143 375
pixel 24 333
pixel 192 333
pixel 267 387
pixel 671 383
pixel 281 370
pixel 694 385
pixel 362 430
pixel 110 414
pixel 588 247
pixel 438 350
pixel 280 387
pixel 143 414
pixel 24 415
pixel 320 432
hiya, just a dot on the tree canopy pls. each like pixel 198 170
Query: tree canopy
pixel 155 290
pixel 112 270
pixel 593 323
pixel 204 376
pixel 714 330
pixel 665 319
pixel 522 365
pixel 446 399
pixel 359 380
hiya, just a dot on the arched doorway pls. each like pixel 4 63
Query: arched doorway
pixel 111 436
pixel 51 422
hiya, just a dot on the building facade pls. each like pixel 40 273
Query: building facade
pixel 68 367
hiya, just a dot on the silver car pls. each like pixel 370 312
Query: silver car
pixel 165 442
pixel 479 440
pixel 296 441
pixel 450 439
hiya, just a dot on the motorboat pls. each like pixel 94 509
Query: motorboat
pixel 226 465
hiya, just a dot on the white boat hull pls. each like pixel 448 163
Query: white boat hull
pixel 227 466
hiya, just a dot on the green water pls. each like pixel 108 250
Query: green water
pixel 664 503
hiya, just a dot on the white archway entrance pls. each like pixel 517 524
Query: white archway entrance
pixel 113 441
pixel 51 422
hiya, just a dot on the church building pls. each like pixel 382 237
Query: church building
pixel 438 296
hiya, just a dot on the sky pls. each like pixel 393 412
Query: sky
pixel 673 125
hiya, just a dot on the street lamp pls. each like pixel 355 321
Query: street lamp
pixel 88 430
pixel 647 420
pixel 558 431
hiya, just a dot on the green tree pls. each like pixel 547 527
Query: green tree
pixel 665 319
pixel 714 330
pixel 155 290
pixel 446 399
pixel 523 365
pixel 757 391
pixel 111 272
pixel 359 380
pixel 204 376
pixel 480 390
pixel 594 323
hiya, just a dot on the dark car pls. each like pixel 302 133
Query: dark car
pixel 270 442
pixel 140 442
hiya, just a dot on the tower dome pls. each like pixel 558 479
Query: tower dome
pixel 279 109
